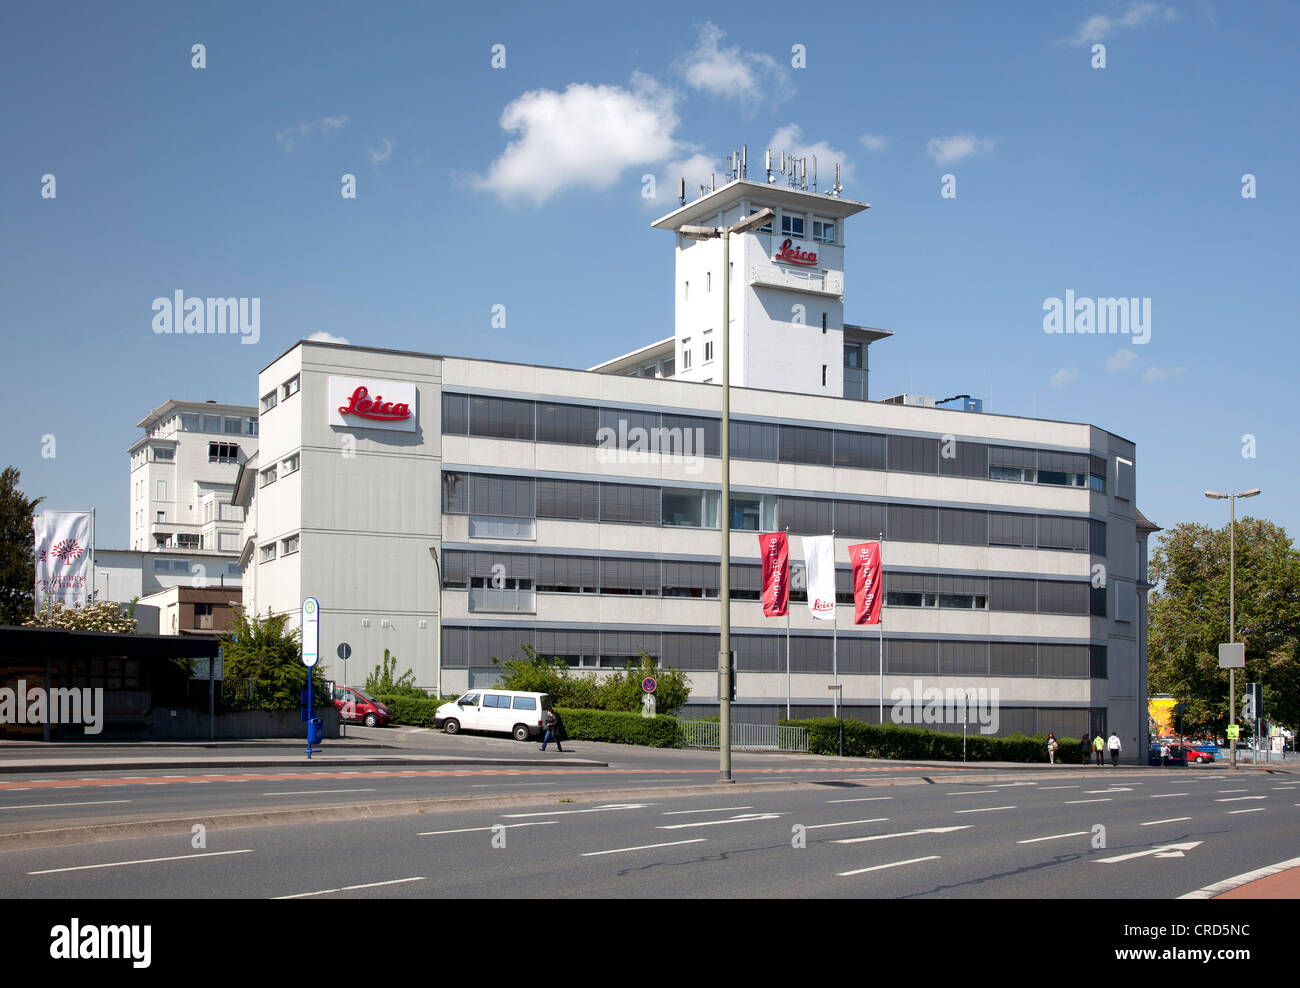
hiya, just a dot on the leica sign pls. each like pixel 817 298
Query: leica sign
pixel 367 403
pixel 795 253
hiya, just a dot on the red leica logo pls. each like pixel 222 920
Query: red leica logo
pixel 795 255
pixel 375 408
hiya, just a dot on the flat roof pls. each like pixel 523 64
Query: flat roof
pixel 783 195
pixel 175 404
pixel 59 643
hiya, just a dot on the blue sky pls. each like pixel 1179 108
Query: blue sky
pixel 522 186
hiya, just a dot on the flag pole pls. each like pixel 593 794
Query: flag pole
pixel 787 624
pixel 835 627
pixel 881 623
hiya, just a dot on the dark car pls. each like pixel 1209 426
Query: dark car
pixel 357 707
pixel 1177 755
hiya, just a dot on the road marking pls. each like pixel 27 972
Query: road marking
pixel 1257 809
pixel 508 785
pixel 1238 799
pixel 906 833
pixel 1222 791
pixel 743 818
pixel 715 809
pixel 1093 791
pixel 986 809
pixel 1166 795
pixel 1218 888
pixel 846 823
pixel 314 792
pixel 350 888
pixel 1035 840
pixel 974 792
pixel 120 864
pixel 43 806
pixel 1071 802
pixel 1045 788
pixel 1292 786
pixel 860 799
pixel 1160 851
pixel 503 826
pixel 892 864
pixel 1009 785
pixel 645 847
pixel 599 809
pixel 1176 819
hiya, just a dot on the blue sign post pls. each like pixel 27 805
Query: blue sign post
pixel 310 656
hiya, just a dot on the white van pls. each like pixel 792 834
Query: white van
pixel 502 711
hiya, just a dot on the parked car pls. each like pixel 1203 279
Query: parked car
pixel 501 711
pixel 1203 751
pixel 358 707
pixel 1177 755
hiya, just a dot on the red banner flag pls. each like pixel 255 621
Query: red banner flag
pixel 776 573
pixel 867 589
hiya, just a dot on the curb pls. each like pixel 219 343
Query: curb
pixel 424 762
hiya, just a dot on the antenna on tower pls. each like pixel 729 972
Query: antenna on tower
pixel 681 191
pixel 782 162
pixel 744 161
pixel 804 170
pixel 768 154
pixel 814 188
pixel 726 166
pixel 713 182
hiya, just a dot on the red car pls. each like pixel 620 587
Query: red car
pixel 357 707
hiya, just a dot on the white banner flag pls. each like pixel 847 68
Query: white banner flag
pixel 819 557
pixel 62 556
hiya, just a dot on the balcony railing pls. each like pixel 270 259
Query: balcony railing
pixel 832 283
pixel 505 601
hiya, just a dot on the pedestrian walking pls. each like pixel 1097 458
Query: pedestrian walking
pixel 1051 748
pixel 1164 754
pixel 552 725
pixel 1085 748
pixel 1115 747
pixel 1099 749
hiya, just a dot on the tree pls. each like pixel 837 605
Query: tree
pixel 381 681
pixel 1188 611
pixel 264 669
pixel 104 615
pixel 17 553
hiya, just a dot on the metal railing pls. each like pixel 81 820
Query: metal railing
pixel 752 737
pixel 831 284
pixel 506 600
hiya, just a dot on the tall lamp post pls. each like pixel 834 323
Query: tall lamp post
pixel 1232 600
pixel 437 625
pixel 751 222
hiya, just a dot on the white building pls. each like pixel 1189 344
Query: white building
pixel 1012 552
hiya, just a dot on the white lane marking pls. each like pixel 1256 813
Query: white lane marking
pixel 1071 802
pixel 986 809
pixel 1175 819
pixel 892 864
pixel 1222 791
pixel 350 888
pixel 43 806
pixel 198 782
pixel 1159 851
pixel 905 833
pixel 1166 795
pixel 1046 788
pixel 644 847
pixel 846 823
pixel 1091 792
pixel 120 864
pixel 1292 786
pixel 743 818
pixel 504 785
pixel 598 809
pixel 314 792
pixel 970 792
pixel 473 830
pixel 1257 809
pixel 1218 888
pixel 861 799
pixel 714 809
pixel 1035 840
pixel 1238 799
pixel 1008 785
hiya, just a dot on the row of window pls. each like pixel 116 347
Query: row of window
pixel 223 452
pixel 225 424
pixel 286 390
pixel 285 547
pixel 794 225
pixel 290 464
pixel 635 504
pixel 688 578
pixel 669 433
pixel 464 647
pixel 189 567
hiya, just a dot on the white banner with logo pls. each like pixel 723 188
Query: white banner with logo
pixel 62 556
pixel 819 557
pixel 368 403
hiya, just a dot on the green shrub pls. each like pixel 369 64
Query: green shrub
pixel 897 741
pixel 592 691
pixel 617 727
pixel 410 710
pixel 382 681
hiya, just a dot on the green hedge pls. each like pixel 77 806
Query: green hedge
pixel 895 741
pixel 411 711
pixel 617 727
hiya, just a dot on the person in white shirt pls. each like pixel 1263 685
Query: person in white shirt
pixel 1115 747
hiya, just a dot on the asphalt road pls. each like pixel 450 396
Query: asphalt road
pixel 1130 834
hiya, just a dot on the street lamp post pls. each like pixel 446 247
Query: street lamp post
pixel 437 624
pixel 1232 600
pixel 751 222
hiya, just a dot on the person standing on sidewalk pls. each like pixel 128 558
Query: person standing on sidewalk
pixel 1099 749
pixel 1115 748
pixel 1164 754
pixel 552 724
pixel 1085 748
pixel 1051 748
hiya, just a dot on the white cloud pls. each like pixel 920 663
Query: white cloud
pixel 746 77
pixel 1101 26
pixel 1162 373
pixel 583 137
pixel 791 140
pixel 948 150
pixel 325 125
pixel 381 153
pixel 874 142
pixel 1121 360
pixel 1063 377
pixel 320 336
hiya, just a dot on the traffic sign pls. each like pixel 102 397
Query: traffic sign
pixel 1232 656
pixel 345 651
pixel 310 632
pixel 1234 732
pixel 649 685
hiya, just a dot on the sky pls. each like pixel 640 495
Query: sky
pixel 500 156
